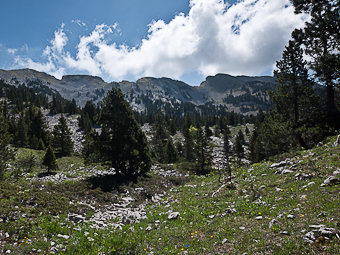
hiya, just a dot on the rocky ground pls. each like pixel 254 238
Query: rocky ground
pixel 288 204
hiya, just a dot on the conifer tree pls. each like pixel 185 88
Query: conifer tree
pixel 171 152
pixel 6 153
pixel 321 40
pixel 49 160
pixel 122 141
pixel 160 139
pixel 38 129
pixel 62 141
pixel 202 151
pixel 239 146
pixel 227 151
pixel 21 138
pixel 294 97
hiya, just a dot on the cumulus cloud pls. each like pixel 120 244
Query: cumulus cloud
pixel 214 37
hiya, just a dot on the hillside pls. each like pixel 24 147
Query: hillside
pixel 241 94
pixel 276 207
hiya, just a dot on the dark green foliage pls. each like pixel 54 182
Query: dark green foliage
pixel 122 141
pixel 90 151
pixel 239 150
pixel 321 40
pixel 247 131
pixel 62 142
pixel 88 117
pixel 160 140
pixel 22 96
pixel 27 162
pixel 6 153
pixel 49 160
pixel 207 131
pixel 21 138
pixel 172 127
pixel 227 152
pixel 34 143
pixel 294 98
pixel 202 152
pixel 171 152
pixel 37 129
pixel 41 145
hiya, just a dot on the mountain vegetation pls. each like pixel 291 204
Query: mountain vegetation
pixel 236 165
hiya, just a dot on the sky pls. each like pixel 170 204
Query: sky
pixel 129 39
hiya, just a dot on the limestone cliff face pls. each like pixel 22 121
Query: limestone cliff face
pixel 240 93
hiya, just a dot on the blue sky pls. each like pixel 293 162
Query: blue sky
pixel 129 39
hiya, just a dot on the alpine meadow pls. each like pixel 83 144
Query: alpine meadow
pixel 184 127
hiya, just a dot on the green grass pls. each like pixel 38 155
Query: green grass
pixel 204 221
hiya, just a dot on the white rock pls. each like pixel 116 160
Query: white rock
pixel 259 218
pixel 287 171
pixel 290 216
pixel 224 240
pixel 173 215
pixel 66 237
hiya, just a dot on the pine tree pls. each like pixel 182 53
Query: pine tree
pixel 207 131
pixel 6 153
pixel 294 89
pixel 38 129
pixel 227 150
pixel 160 139
pixel 62 141
pixel 49 160
pixel 171 152
pixel 239 146
pixel 321 40
pixel 122 141
pixel 21 138
pixel 202 151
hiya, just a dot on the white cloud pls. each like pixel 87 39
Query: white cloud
pixel 79 23
pixel 12 51
pixel 245 38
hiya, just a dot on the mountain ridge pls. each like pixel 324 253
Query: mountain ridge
pixel 236 92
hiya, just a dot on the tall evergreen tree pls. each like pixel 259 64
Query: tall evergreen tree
pixel 122 140
pixel 21 138
pixel 239 150
pixel 62 141
pixel 49 160
pixel 160 139
pixel 6 153
pixel 171 152
pixel 295 89
pixel 321 40
pixel 202 151
pixel 227 151
pixel 38 128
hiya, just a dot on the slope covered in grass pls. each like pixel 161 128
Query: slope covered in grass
pixel 289 205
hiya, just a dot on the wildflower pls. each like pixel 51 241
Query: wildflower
pixel 212 236
pixel 260 213
pixel 182 249
pixel 269 218
pixel 302 215
pixel 275 197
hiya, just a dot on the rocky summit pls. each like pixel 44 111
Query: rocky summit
pixel 239 93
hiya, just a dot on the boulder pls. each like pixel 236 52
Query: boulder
pixel 173 215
